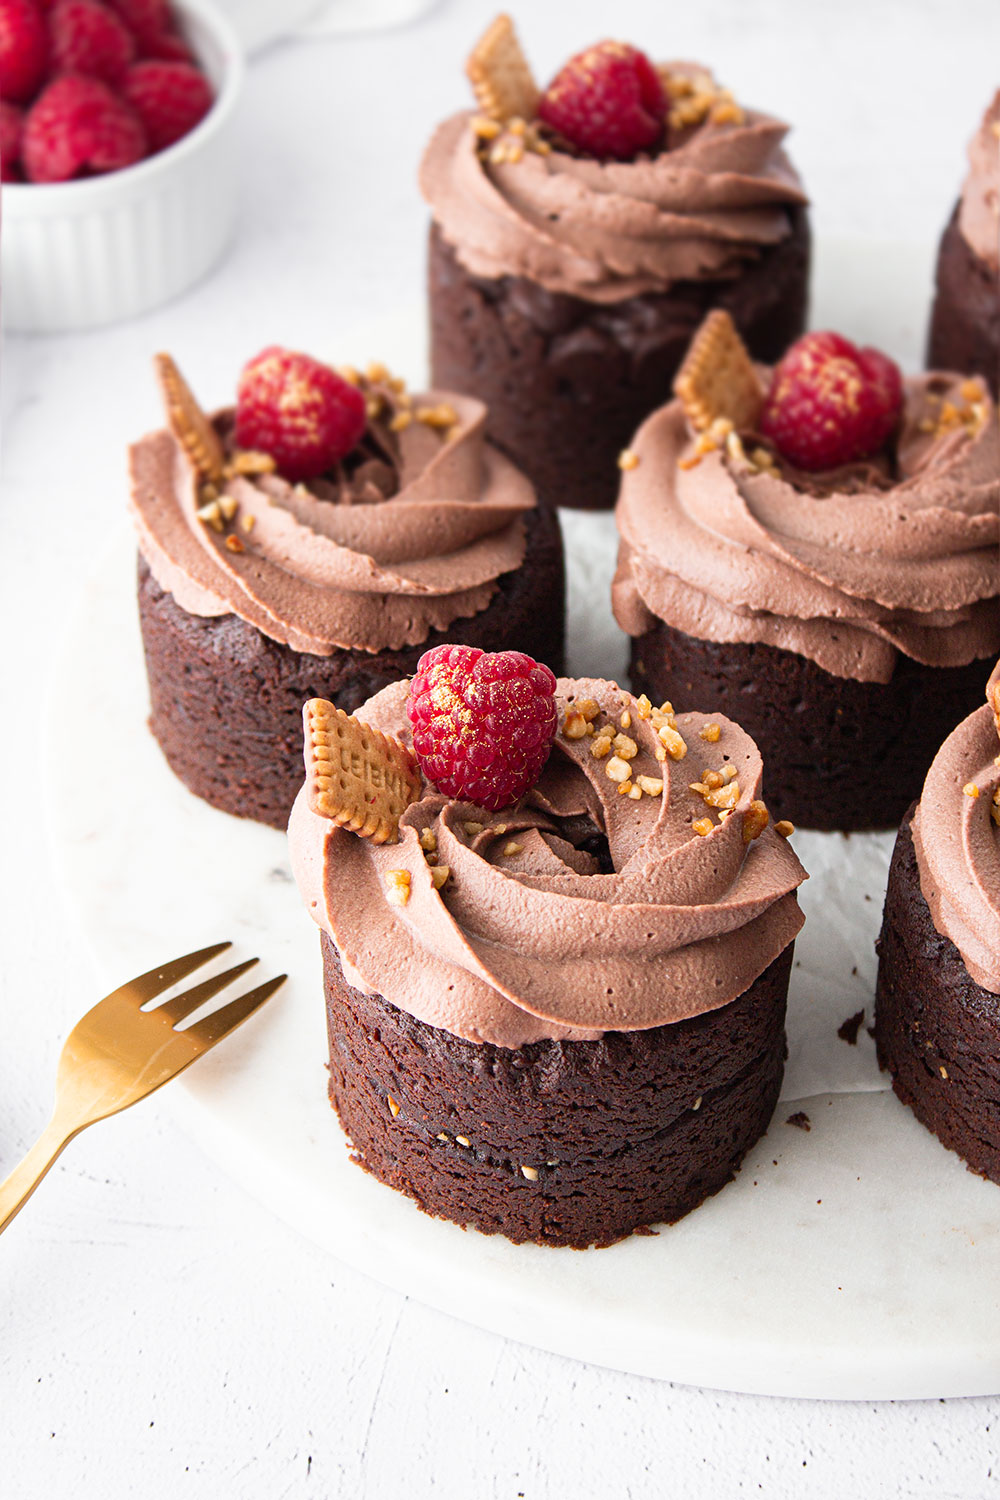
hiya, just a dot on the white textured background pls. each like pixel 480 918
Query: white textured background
pixel 160 1335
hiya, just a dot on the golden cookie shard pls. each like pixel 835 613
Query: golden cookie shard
pixel 356 776
pixel 500 75
pixel 188 423
pixel 717 378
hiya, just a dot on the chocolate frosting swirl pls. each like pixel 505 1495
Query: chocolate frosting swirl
pixel 411 534
pixel 528 939
pixel 957 843
pixel 979 209
pixel 607 230
pixel 847 568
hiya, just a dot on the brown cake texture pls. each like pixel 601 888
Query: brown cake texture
pixel 567 381
pixel 965 322
pixel 226 701
pixel 838 753
pixel 560 1143
pixel 937 1031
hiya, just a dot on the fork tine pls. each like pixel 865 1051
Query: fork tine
pixel 183 1005
pixel 214 1027
pixel 147 986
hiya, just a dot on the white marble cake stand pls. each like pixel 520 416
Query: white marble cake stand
pixel 856 1260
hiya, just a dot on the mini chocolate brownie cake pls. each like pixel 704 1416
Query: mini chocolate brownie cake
pixel 965 321
pixel 567 276
pixel 270 593
pixel 846 618
pixel 937 1016
pixel 570 1024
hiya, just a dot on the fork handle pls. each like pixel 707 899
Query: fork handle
pixel 21 1183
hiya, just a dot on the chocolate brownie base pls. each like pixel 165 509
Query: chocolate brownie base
pixel 561 1143
pixel 838 754
pixel 965 321
pixel 227 701
pixel 936 1030
pixel 568 381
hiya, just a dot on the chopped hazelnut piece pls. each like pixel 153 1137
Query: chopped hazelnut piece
pixel 755 820
pixel 531 1173
pixel 575 725
pixel 233 543
pixel 625 789
pixel 439 876
pixel 627 459
pixel 697 1103
pixel 617 769
pixel 472 827
pixel 588 708
pixel 250 461
pixel 229 505
pixel 248 523
pixel 710 732
pixel 397 883
pixel 673 743
pixel 401 421
pixel 393 1106
pixel 970 789
pixel 462 1140
pixel 651 785
pixel 513 847
pixel 626 719
pixel 643 707
pixel 702 826
pixel 601 746
pixel 784 829
pixel 635 792
pixel 428 840
pixel 625 747
pixel 211 515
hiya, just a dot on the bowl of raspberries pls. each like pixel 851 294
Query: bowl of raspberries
pixel 117 147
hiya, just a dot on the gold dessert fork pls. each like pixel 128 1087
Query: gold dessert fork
pixel 118 1053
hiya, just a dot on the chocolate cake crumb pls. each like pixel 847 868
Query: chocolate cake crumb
pixel 800 1120
pixel 848 1030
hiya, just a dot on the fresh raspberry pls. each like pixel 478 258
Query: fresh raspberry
pixel 608 101
pixel 146 19
pixel 831 403
pixel 88 38
pixel 299 411
pixel 169 47
pixel 77 127
pixel 169 97
pixel 24 50
pixel 11 125
pixel 482 722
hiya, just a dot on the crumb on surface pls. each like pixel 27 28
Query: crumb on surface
pixel 848 1030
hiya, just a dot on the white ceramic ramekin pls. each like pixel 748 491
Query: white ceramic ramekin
pixel 77 254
